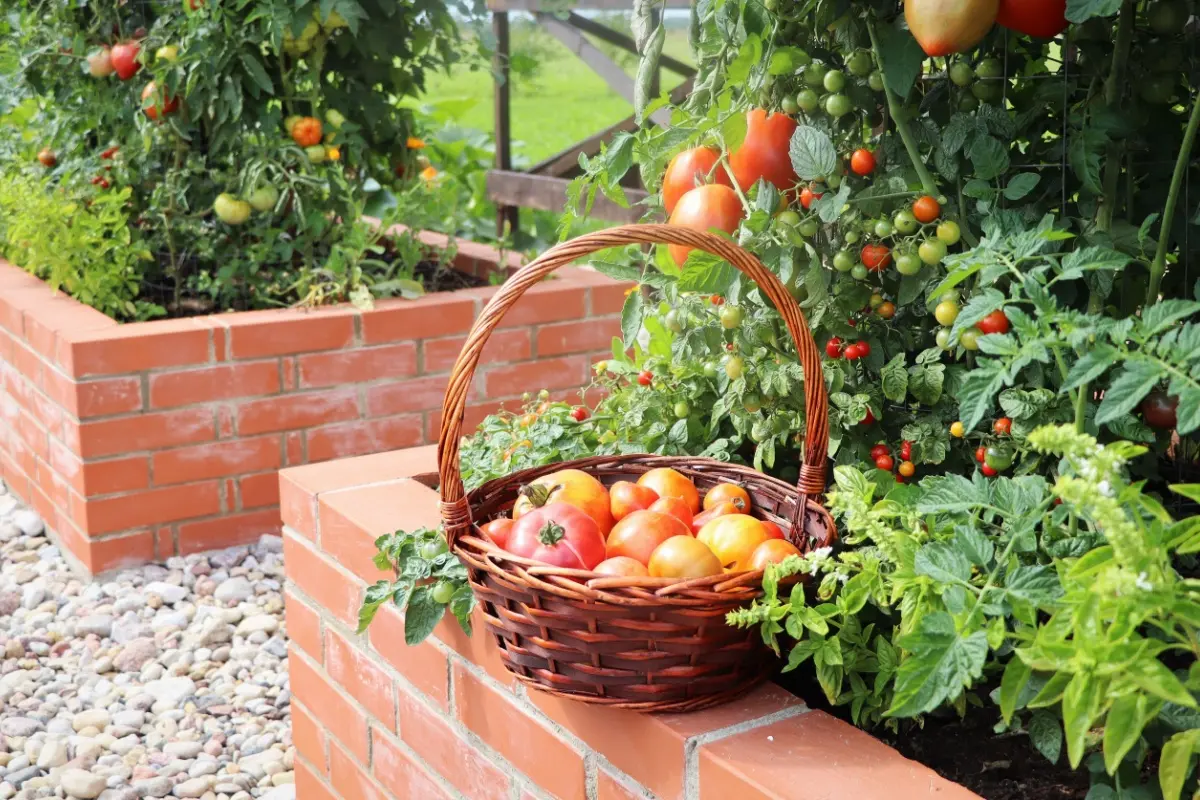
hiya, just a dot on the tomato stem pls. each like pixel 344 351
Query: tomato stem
pixel 551 533
pixel 910 144
pixel 1159 265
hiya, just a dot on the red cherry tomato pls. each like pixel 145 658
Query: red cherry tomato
pixel 852 352
pixel 807 196
pixel 906 450
pixel 879 450
pixel 124 59
pixel 875 257
pixel 869 419
pixel 155 103
pixel 645 377
pixel 579 413
pixel 1160 411
pixel 764 151
pixel 980 453
pixel 994 322
pixel 926 209
pixel 705 207
pixel 988 471
pixel 110 152
pixel 498 530
pixel 717 300
pixel 1002 426
pixel 864 349
pixel 884 462
pixel 862 162
pixel 689 169
pixel 833 348
pixel 1042 19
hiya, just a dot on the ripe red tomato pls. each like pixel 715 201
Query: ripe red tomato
pixel 905 450
pixel 626 497
pixel 558 534
pixel 675 507
pixel 980 453
pixel 852 352
pixel 773 530
pixel 943 27
pixel 645 377
pixel 764 151
pixel 579 413
pixel 100 181
pixel 46 157
pixel 669 483
pixel 988 471
pixel 498 530
pixel 833 348
pixel 926 209
pixel 640 533
pixel 772 551
pixel 689 169
pixel 869 419
pixel 1042 19
pixel 717 300
pixel 124 59
pixel 862 162
pixel 683 557
pixel 807 196
pixel 705 207
pixel 1002 426
pixel 995 322
pixel 733 538
pixel 864 349
pixel 623 567
pixel 875 257
pixel 572 486
pixel 727 493
pixel 720 510
pixel 155 102
pixel 110 152
pixel 884 462
pixel 1160 411
pixel 306 131
pixel 879 450
pixel 886 310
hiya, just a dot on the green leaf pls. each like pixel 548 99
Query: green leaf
pixel 1175 763
pixel 1090 366
pixel 254 69
pixel 648 68
pixel 942 562
pixel 941 664
pixel 926 381
pixel 733 130
pixel 950 494
pixel 1080 702
pixel 1133 383
pixel 421 615
pixel 1122 728
pixel 1036 585
pixel 377 594
pixel 829 206
pixel 1165 313
pixel 900 59
pixel 749 54
pixel 1046 735
pixel 1021 185
pixel 812 153
pixel 631 317
pixel 1152 675
pixel 989 157
pixel 977 393
pixel 785 60
pixel 895 379
pixel 973 544
pixel 706 274
pixel 1083 10
pixel 1016 676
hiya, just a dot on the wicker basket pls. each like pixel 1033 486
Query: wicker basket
pixel 649 644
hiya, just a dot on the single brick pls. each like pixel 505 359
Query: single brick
pixel 365 681
pixel 310 786
pixel 218 382
pixel 259 491
pixel 106 397
pixel 152 507
pixel 136 347
pixel 293 411
pixel 216 460
pixel 551 301
pixel 402 397
pixel 364 436
pixel 439 314
pixel 439 355
pixel 226 531
pixel 399 773
pixel 588 336
pixel 549 373
pixel 116 475
pixel 342 718
pixel 309 738
pixel 321 580
pixel 123 435
pixel 255 334
pixel 348 780
pixel 361 365
pixel 304 625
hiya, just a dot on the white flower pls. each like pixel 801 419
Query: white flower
pixel 1105 488
pixel 1143 584
pixel 816 557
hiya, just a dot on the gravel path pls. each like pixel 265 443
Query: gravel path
pixel 164 681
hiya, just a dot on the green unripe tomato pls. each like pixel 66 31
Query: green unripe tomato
pixel 808 101
pixel 787 219
pixel 788 105
pixel 943 338
pixel 908 263
pixel 990 68
pixel 834 81
pixel 752 403
pixel 731 317
pixel 949 232
pixel 932 251
pixel 663 307
pixel 833 181
pixel 860 63
pixel 814 75
pixel 442 592
pixel 760 432
pixel 809 227
pixel 961 73
pixel 988 92
pixel 843 261
pixel 838 105
pixel 875 81
pixel 1167 17
pixel 432 549
pixel 876 300
pixel 946 312
pixel 674 325
pixel 710 370
pixel 795 237
pixel 967 103
pixel 682 410
pixel 969 339
pixel 883 229
pixel 851 237
pixel 998 458
pixel 859 272
pixel 735 366
pixel 905 222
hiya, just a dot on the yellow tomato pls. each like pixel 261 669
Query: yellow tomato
pixel 733 538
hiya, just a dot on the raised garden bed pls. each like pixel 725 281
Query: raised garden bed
pixel 136 442
pixel 374 718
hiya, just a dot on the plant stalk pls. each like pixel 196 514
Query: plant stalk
pixel 1159 265
pixel 910 144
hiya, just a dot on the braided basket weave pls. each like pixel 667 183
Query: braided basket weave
pixel 649 644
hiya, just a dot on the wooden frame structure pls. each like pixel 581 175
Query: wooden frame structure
pixel 544 185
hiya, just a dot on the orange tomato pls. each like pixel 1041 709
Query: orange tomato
pixel 772 551
pixel 764 151
pixel 683 557
pixel 306 131
pixel 498 530
pixel 675 507
pixel 572 486
pixel 626 497
pixel 705 207
pixel 689 169
pixel 669 483
pixel 926 209
pixel 773 530
pixel 727 493
pixel 704 517
pixel 733 538
pixel 640 533
pixel 622 567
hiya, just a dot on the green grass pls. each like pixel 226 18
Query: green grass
pixel 556 99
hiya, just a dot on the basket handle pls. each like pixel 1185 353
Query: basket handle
pixel 454 509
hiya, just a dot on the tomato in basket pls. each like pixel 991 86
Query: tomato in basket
pixel 559 534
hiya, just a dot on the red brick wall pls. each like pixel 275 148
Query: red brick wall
pixel 374 719
pixel 138 441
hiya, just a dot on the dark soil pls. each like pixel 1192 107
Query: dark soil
pixel 996 767
pixel 440 278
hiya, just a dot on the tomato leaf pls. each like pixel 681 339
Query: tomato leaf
pixel 894 379
pixel 812 153
pixel 1133 383
pixel 941 664
pixel 749 54
pixel 631 317
pixel 706 274
pixel 989 157
pixel 1090 366
pixel 1046 735
pixel 1015 678
pixel 978 391
pixel 1021 185
pixel 900 58
pixel 421 615
pixel 1083 10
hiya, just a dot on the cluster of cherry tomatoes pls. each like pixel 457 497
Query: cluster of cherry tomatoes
pixel 658 527
pixel 881 454
pixel 992 458
pixel 946 312
pixel 853 351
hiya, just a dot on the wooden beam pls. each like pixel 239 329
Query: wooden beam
pixel 506 217
pixel 556 6
pixel 607 34
pixel 566 160
pixel 550 194
pixel 610 71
